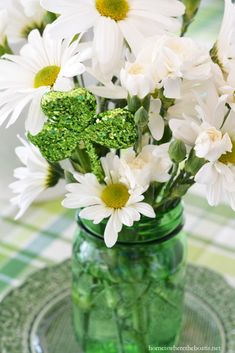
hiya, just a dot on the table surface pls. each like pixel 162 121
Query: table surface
pixel 44 235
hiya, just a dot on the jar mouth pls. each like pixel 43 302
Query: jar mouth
pixel 131 243
pixel 145 232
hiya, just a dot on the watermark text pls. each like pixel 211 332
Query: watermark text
pixel 187 348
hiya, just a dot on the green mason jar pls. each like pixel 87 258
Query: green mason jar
pixel 129 298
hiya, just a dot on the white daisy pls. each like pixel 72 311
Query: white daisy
pixel 176 59
pixel 218 175
pixel 212 135
pixel 113 21
pixel 24 15
pixel 118 199
pixel 151 164
pixel 43 64
pixel 165 61
pixel 35 177
pixel 185 106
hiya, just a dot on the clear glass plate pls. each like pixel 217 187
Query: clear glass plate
pixel 36 317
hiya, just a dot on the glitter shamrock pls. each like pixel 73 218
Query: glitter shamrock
pixel 73 122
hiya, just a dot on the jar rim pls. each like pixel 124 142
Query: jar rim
pixel 161 240
pixel 167 235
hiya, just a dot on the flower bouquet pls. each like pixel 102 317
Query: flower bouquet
pixel 131 113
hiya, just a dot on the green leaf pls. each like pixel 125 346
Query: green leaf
pixel 194 163
pixel 181 190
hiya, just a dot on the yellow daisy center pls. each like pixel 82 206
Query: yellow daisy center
pixel 115 9
pixel 115 195
pixel 46 76
pixel 229 157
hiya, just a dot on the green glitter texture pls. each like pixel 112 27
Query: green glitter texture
pixel 55 143
pixel 113 129
pixel 72 120
pixel 71 110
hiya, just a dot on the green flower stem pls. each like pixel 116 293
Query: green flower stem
pixel 175 189
pixel 172 180
pixel 119 333
pixel 138 144
pixel 158 190
pixel 140 327
pixel 82 81
pixel 164 298
pixel 102 104
pixel 80 161
pixel 85 328
pixel 150 195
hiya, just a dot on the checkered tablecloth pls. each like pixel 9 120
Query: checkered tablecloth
pixel 44 235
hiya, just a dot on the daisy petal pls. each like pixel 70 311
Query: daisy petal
pixel 145 209
pixel 133 37
pixel 35 120
pixel 97 212
pixel 108 30
pixel 156 126
pixel 112 229
pixel 207 174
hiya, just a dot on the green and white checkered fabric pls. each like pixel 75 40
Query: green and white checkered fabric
pixel 44 235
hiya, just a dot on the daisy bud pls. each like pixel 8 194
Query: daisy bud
pixel 177 151
pixel 134 103
pixel 141 117
pixel 191 9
